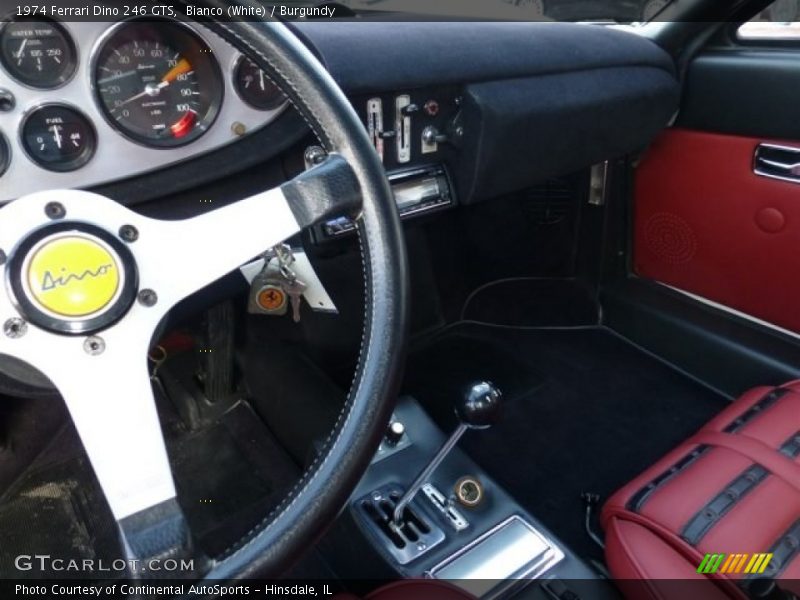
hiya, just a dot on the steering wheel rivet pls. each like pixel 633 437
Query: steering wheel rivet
pixel 94 346
pixel 148 298
pixel 15 328
pixel 128 233
pixel 55 210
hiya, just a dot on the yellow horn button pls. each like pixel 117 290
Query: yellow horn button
pixel 73 276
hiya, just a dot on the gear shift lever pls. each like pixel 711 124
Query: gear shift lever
pixel 479 408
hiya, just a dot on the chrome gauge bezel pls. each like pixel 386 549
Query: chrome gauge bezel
pixel 68 166
pixel 5 154
pixel 74 59
pixel 207 121
pixel 237 64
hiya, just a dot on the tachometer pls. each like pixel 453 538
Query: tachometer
pixel 158 83
pixel 37 53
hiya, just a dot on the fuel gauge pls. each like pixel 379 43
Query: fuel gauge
pixel 58 138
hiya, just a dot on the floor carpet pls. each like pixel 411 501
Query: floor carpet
pixel 584 411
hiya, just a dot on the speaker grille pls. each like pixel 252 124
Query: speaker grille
pixel 670 238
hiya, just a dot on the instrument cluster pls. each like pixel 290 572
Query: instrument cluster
pixel 84 103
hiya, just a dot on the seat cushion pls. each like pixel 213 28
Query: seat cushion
pixel 732 489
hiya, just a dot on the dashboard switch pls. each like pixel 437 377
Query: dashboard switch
pixel 431 138
pixel 431 108
pixel 375 124
pixel 403 128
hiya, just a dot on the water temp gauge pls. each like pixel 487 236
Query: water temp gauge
pixel 58 138
pixel 40 54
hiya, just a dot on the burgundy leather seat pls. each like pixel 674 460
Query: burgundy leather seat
pixel 733 488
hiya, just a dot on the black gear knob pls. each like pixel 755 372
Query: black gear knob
pixel 480 406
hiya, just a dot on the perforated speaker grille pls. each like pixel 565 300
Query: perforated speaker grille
pixel 670 238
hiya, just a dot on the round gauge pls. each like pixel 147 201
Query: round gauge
pixel 58 138
pixel 158 83
pixel 37 53
pixel 5 154
pixel 255 87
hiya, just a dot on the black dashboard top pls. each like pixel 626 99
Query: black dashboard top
pixel 368 56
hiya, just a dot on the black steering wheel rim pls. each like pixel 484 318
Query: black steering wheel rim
pixel 282 536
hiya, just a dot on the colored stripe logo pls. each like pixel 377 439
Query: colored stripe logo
pixel 734 563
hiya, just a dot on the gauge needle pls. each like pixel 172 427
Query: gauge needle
pixel 57 135
pixel 150 90
pixel 183 67
pixel 22 48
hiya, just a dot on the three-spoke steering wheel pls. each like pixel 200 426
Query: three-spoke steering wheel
pixel 93 344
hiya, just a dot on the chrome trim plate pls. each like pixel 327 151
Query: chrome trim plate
pixel 506 557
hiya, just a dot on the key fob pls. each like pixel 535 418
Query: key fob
pixel 267 294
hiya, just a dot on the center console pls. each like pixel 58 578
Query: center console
pixel 461 526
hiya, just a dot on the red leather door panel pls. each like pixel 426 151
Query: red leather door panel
pixel 705 223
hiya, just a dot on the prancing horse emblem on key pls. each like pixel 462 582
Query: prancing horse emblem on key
pixel 271 298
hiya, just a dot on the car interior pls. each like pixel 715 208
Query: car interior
pixel 417 305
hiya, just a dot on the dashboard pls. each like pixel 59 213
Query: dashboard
pixel 148 110
pixel 87 103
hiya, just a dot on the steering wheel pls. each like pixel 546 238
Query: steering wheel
pixel 91 340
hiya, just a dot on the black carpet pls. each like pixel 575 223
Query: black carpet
pixel 584 411
pixel 534 302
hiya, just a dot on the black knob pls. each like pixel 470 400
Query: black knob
pixel 395 433
pixel 480 406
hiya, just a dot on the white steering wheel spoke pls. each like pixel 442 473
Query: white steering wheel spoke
pixel 177 258
pixel 87 283
pixel 110 399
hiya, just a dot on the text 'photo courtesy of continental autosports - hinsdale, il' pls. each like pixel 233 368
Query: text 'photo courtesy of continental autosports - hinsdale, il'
pixel 400 299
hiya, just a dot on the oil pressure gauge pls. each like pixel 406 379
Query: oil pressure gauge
pixel 255 87
pixel 58 138
pixel 39 54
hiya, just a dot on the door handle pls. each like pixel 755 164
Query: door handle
pixel 777 162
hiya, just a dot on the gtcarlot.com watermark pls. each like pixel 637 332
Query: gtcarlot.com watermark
pixel 50 564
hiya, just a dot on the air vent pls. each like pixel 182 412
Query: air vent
pixel 549 203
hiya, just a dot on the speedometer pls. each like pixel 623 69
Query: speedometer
pixel 158 83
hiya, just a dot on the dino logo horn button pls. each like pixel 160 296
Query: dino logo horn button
pixel 73 276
